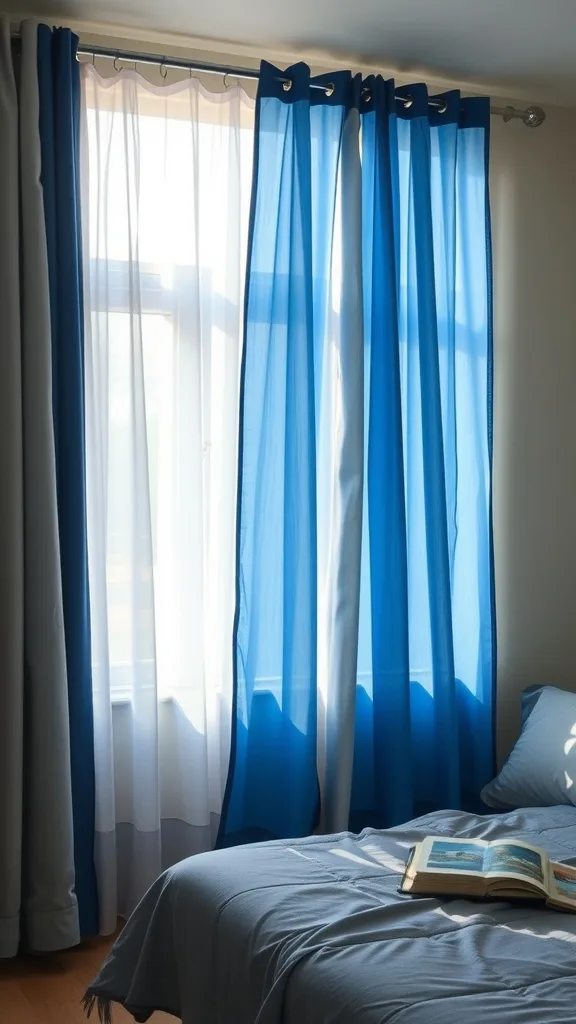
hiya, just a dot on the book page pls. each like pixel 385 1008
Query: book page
pixel 513 859
pixel 452 856
pixel 563 884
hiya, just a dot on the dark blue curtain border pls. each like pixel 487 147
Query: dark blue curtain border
pixel 481 108
pixel 59 123
pixel 223 840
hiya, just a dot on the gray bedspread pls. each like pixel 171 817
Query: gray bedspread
pixel 314 931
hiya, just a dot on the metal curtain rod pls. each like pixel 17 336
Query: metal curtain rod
pixel 532 117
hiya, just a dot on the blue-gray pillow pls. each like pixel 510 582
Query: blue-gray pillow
pixel 541 769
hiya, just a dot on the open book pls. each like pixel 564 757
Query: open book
pixel 505 869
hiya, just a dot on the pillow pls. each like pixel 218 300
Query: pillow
pixel 541 769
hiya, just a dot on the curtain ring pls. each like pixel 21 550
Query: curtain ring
pixel 93 60
pixel 224 82
pixel 116 66
pixel 163 71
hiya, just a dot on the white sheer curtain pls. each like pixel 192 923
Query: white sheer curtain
pixel 167 174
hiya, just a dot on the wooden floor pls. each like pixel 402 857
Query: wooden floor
pixel 48 989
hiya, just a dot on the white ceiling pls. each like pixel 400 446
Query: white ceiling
pixel 522 46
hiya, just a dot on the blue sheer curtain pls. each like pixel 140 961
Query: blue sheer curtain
pixel 272 787
pixel 59 86
pixel 364 625
pixel 424 701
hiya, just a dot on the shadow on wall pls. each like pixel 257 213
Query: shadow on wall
pixel 534 242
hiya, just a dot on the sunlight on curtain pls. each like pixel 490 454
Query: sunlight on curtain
pixel 364 639
pixel 167 175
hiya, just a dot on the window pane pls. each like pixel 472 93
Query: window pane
pixel 169 196
pixel 157 349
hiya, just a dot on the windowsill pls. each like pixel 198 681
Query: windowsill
pixel 119 699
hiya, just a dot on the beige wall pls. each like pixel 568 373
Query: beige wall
pixel 534 228
pixel 533 186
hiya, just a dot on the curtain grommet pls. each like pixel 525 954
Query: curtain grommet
pixel 407 102
pixel 329 90
pixel 443 107
pixel 366 95
pixel 287 84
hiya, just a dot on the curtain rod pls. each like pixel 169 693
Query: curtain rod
pixel 532 117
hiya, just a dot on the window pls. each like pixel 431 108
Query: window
pixel 169 176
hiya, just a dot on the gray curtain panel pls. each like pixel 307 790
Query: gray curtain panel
pixel 37 902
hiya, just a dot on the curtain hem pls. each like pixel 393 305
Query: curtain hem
pixel 53 930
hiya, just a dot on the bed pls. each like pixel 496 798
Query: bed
pixel 314 931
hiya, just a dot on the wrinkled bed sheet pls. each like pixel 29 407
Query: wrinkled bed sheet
pixel 314 931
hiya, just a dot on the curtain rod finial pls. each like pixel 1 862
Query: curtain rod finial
pixel 534 117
